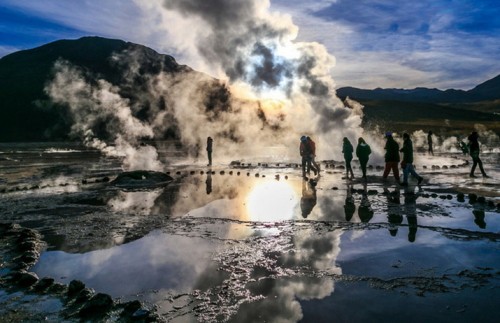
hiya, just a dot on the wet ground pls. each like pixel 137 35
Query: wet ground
pixel 244 242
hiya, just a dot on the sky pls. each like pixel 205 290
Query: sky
pixel 376 43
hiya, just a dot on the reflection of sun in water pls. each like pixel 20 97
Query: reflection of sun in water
pixel 271 201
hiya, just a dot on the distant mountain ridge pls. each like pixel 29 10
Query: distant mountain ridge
pixel 489 90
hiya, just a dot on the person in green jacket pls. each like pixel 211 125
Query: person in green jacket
pixel 391 157
pixel 347 150
pixel 363 152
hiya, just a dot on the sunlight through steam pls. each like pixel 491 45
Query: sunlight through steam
pixel 271 201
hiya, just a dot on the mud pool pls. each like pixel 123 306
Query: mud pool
pixel 251 241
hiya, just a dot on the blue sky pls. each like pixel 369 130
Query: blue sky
pixel 376 43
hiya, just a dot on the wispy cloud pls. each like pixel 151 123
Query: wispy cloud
pixel 376 43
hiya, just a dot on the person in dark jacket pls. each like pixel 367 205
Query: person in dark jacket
pixel 407 163
pixel 363 152
pixel 347 150
pixel 429 142
pixel 474 153
pixel 209 150
pixel 391 157
pixel 306 150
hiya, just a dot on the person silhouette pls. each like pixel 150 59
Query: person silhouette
pixel 394 211
pixel 429 142
pixel 209 150
pixel 410 209
pixel 474 153
pixel 363 152
pixel 365 211
pixel 306 149
pixel 208 182
pixel 391 157
pixel 347 150
pixel 308 199
pixel 349 206
pixel 407 163
pixel 479 218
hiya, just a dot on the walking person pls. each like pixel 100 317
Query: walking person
pixel 363 152
pixel 305 152
pixel 391 157
pixel 209 150
pixel 407 163
pixel 474 153
pixel 347 150
pixel 313 154
pixel 429 142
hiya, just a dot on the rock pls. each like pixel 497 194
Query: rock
pixel 84 295
pixel 27 246
pixel 449 196
pixel 140 314
pixel 44 283
pixel 98 305
pixel 131 307
pixel 27 279
pixel 141 179
pixel 75 287
pixel 461 197
pixel 472 198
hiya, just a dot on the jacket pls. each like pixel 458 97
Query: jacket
pixel 363 151
pixel 391 150
pixel 407 151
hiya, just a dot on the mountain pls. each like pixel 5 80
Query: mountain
pixel 489 90
pixel 27 114
pixel 449 111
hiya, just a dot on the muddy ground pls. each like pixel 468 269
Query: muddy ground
pixel 245 242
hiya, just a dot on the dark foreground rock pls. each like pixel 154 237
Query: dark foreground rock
pixel 141 179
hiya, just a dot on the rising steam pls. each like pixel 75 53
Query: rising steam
pixel 278 89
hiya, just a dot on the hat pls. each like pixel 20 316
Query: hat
pixel 388 134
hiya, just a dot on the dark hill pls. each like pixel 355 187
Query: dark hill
pixel 433 109
pixel 26 113
pixel 489 90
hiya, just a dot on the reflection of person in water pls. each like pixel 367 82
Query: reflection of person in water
pixel 208 182
pixel 365 211
pixel 479 217
pixel 410 207
pixel 308 199
pixel 394 212
pixel 349 206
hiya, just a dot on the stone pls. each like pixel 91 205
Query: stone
pixel 98 305
pixel 44 283
pixel 27 279
pixel 75 287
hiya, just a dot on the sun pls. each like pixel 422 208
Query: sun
pixel 271 201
